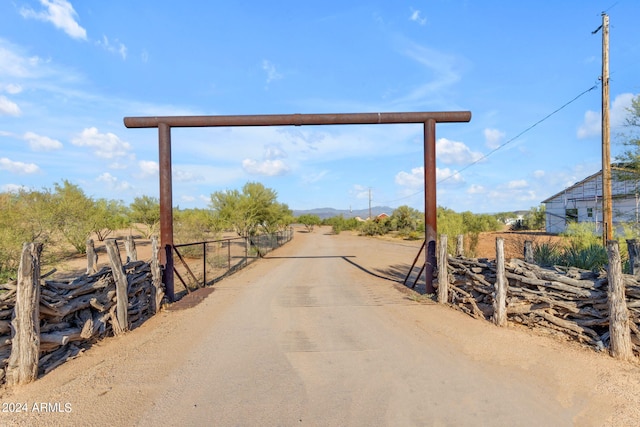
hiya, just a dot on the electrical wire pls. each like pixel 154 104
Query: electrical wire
pixel 501 146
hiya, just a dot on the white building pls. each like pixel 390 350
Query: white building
pixel 582 202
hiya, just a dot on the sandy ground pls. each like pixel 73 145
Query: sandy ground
pixel 321 333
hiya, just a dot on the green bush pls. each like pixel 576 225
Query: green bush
pixel 547 254
pixel 593 257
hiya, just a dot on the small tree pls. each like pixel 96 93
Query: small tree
pixel 250 210
pixel 309 221
pixel 145 210
pixel 631 137
pixel 405 219
pixel 74 214
pixel 192 225
pixel 110 215
pixel 535 219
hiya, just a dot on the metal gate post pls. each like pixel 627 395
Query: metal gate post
pixel 166 207
pixel 430 204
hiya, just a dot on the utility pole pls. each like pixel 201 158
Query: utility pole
pixel 607 216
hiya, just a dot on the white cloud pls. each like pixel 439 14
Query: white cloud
pixel 618 112
pixel 453 152
pixel 538 173
pixel 13 188
pixel 311 178
pixel 118 48
pixel 106 145
pixel 41 143
pixel 493 137
pixel 186 176
pixel 114 183
pixel 18 167
pixel 516 184
pixel 271 165
pixel 416 16
pixel 476 189
pixel 361 192
pixel 590 127
pixel 11 88
pixel 148 167
pixel 61 14
pixel 414 179
pixel 620 109
pixel 14 64
pixel 442 67
pixel 266 167
pixel 448 176
pixel 270 69
pixel 273 152
pixel 9 108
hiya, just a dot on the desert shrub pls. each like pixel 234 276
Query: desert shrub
pixel 340 223
pixel 309 221
pixel 535 219
pixel 336 228
pixel 145 210
pixel 466 223
pixel 194 225
pixel 593 257
pixel 372 228
pixel 547 254
pixel 581 235
pixel 109 215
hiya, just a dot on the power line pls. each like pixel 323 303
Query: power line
pixel 501 146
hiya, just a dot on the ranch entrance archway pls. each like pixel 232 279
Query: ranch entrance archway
pixel 164 125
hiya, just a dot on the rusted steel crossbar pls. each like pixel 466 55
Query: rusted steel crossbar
pixel 298 119
pixel 429 119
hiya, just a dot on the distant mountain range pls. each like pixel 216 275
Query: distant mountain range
pixel 324 213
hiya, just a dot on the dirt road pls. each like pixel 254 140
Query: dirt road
pixel 317 335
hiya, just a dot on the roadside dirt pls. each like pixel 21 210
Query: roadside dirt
pixel 321 333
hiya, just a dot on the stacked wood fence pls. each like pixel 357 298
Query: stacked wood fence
pixel 598 309
pixel 44 323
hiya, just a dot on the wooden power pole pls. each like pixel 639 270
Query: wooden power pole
pixel 607 215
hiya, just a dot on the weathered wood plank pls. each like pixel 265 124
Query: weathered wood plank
pixel 620 345
pixel 443 277
pixel 22 366
pixel 500 294
pixel 122 296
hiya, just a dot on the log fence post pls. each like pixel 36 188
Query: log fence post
pixel 122 297
pixel 460 246
pixel 443 276
pixel 620 345
pixel 22 367
pixel 633 248
pixel 130 247
pixel 156 274
pixel 92 257
pixel 500 292
pixel 528 252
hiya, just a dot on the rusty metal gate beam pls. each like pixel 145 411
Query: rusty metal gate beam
pixel 164 125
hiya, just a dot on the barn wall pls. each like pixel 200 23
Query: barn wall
pixel 586 197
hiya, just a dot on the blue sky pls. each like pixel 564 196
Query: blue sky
pixel 71 70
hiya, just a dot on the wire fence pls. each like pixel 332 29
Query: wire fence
pixel 204 263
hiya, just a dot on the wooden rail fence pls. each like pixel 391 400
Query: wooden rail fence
pixel 54 320
pixel 44 323
pixel 599 309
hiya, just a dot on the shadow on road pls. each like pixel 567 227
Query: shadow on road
pixel 394 273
